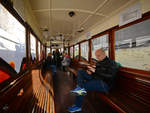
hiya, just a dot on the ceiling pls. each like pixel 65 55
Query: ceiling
pixel 53 15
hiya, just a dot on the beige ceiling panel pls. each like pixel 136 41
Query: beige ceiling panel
pixel 89 5
pixel 40 4
pixel 92 21
pixel 42 19
pixel 62 23
pixel 61 27
pixel 111 6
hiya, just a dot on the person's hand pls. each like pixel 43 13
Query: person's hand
pixel 89 72
pixel 91 69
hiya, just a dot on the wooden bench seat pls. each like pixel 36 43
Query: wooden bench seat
pixel 42 100
pixel 131 94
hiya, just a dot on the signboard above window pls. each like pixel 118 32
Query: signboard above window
pixel 131 14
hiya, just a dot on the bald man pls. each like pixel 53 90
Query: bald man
pixel 100 78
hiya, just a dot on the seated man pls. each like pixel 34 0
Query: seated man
pixel 100 78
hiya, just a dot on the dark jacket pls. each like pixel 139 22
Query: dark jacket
pixel 50 60
pixel 106 70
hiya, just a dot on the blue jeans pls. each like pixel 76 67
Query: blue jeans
pixel 86 81
pixel 53 68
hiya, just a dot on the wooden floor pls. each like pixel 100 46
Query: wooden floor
pixel 63 83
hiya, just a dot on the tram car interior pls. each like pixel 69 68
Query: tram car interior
pixel 74 56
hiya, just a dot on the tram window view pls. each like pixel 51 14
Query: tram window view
pixel 74 56
pixel 12 39
pixel 132 46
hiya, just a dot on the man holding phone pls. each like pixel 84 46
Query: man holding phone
pixel 96 78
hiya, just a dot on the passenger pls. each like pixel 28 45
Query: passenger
pixel 58 59
pixel 100 78
pixel 12 64
pixel 51 63
pixel 54 57
pixel 65 62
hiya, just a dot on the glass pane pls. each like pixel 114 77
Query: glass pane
pixel 12 38
pixel 100 42
pixel 132 46
pixel 66 51
pixel 33 46
pixel 71 52
pixel 48 51
pixel 85 51
pixel 39 49
pixel 76 51
pixel 61 50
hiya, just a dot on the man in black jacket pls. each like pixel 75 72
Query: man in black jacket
pixel 100 78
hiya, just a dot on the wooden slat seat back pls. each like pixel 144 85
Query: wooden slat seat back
pixel 74 66
pixel 43 98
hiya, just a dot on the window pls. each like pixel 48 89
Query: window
pixel 100 42
pixel 132 46
pixel 33 46
pixel 85 50
pixel 66 50
pixel 12 39
pixel 39 49
pixel 71 52
pixel 61 50
pixel 48 51
pixel 76 51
